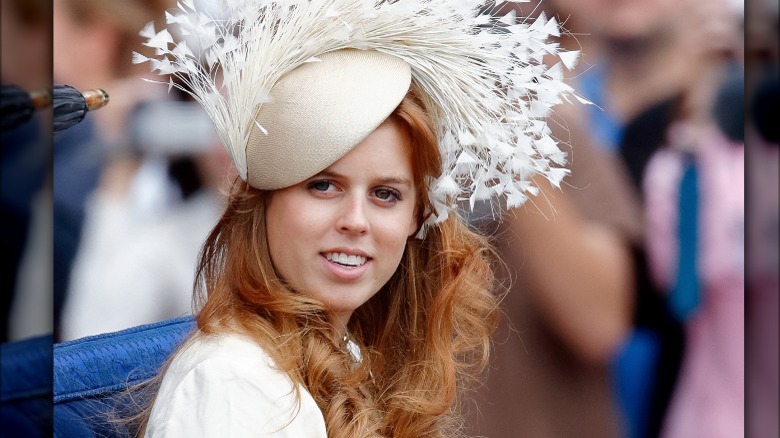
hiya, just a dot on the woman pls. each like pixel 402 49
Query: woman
pixel 339 297
pixel 287 273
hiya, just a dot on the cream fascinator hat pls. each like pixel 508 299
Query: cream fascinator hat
pixel 293 85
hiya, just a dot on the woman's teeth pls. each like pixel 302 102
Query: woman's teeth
pixel 346 260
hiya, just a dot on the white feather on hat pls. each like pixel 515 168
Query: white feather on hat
pixel 483 78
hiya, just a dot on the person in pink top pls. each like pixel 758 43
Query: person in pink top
pixel 709 397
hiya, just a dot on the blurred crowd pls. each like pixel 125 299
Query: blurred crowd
pixel 134 187
pixel 642 301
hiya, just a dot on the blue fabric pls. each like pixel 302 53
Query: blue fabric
pixel 26 387
pixel 90 373
pixel 634 379
pixel 26 368
pixel 685 295
pixel 606 129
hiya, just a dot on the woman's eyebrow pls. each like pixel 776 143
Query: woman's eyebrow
pixel 327 174
pixel 393 180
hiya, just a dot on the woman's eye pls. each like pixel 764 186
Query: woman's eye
pixel 387 194
pixel 321 186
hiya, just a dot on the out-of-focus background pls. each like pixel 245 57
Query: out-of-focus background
pixel 142 205
pixel 135 185
pixel 644 297
pixel 629 300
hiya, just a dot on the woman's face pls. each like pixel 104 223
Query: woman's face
pixel 339 236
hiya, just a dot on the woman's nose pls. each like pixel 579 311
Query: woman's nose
pixel 353 218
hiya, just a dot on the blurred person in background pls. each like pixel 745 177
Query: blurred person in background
pixel 93 44
pixel 651 61
pixel 568 260
pixel 694 203
pixel 762 142
pixel 640 58
pixel 150 277
pixel 694 194
pixel 25 191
